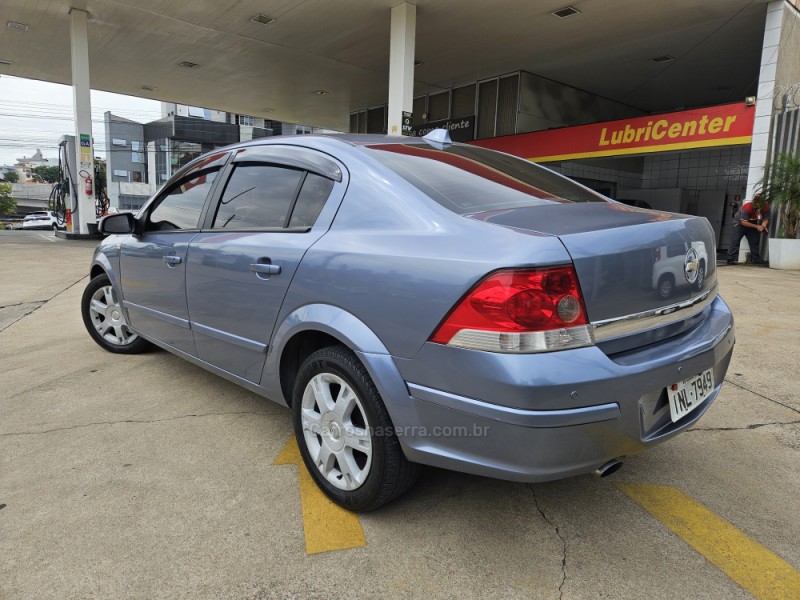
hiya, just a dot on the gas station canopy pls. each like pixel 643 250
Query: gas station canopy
pixel 315 61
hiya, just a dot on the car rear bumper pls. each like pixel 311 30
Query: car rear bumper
pixel 548 416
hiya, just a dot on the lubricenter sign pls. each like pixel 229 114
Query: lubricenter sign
pixel 725 125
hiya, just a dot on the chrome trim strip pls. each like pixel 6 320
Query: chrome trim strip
pixel 567 417
pixel 224 336
pixel 666 315
pixel 157 314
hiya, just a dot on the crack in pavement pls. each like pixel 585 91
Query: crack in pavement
pixel 751 426
pixel 741 387
pixel 134 421
pixel 563 542
pixel 29 302
pixel 754 291
pixel 40 302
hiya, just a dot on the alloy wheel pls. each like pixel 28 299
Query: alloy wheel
pixel 336 431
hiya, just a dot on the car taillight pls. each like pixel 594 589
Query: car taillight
pixel 520 311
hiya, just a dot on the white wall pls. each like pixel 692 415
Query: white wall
pixel 766 85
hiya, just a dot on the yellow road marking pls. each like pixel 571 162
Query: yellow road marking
pixel 759 571
pixel 327 525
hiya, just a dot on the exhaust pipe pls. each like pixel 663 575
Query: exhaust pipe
pixel 608 468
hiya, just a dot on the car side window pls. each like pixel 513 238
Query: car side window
pixel 676 250
pixel 312 198
pixel 181 206
pixel 271 195
pixel 258 196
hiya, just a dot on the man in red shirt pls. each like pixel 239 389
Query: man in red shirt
pixel 750 221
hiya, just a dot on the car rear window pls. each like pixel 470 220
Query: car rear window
pixel 468 179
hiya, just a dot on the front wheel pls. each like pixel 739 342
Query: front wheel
pixel 701 276
pixel 345 436
pixel 105 321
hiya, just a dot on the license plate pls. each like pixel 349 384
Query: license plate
pixel 688 394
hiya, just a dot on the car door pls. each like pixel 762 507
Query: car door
pixel 240 266
pixel 153 262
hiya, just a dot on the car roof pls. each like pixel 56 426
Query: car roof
pixel 355 139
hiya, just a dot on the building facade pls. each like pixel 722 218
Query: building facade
pixel 142 156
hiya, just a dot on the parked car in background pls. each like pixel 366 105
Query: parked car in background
pixel 44 219
pixel 679 264
pixel 418 302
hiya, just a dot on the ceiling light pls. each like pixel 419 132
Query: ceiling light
pixel 149 88
pixel 663 59
pixel 3 61
pixel 187 64
pixel 17 26
pixel 750 101
pixel 321 92
pixel 567 11
pixel 263 19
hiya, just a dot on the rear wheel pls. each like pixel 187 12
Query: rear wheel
pixel 344 432
pixel 666 285
pixel 105 321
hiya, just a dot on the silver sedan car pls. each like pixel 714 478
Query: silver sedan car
pixel 417 302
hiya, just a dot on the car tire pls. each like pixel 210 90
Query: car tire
pixel 105 320
pixel 701 276
pixel 666 286
pixel 348 445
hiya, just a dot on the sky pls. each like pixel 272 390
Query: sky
pixel 35 114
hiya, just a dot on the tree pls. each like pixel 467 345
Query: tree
pixel 8 206
pixel 48 174
pixel 11 177
pixel 780 187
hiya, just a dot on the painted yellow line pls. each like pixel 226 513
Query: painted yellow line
pixel 327 525
pixel 759 571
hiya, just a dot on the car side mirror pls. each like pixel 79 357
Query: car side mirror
pixel 119 223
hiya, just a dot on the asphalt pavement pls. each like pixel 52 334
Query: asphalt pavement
pixel 147 477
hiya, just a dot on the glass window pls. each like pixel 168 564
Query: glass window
pixel 418 110
pixel 463 101
pixel 376 120
pixel 257 197
pixel 312 198
pixel 181 206
pixel 487 108
pixel 438 106
pixel 468 179
pixel 676 250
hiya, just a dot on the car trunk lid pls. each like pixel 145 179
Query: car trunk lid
pixel 624 255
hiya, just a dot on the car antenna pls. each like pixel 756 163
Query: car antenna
pixel 438 138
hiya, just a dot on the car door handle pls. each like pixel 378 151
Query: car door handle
pixel 265 268
pixel 172 260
